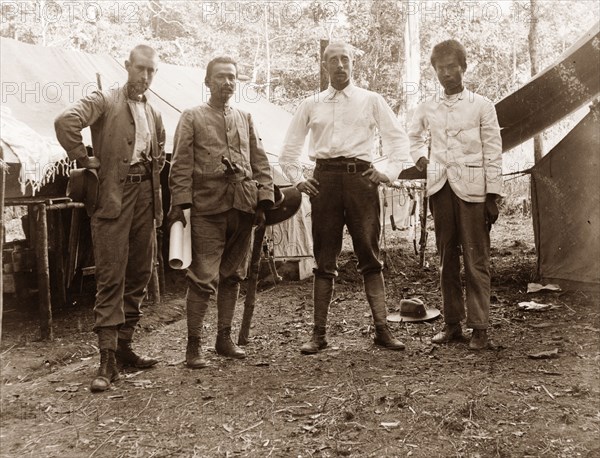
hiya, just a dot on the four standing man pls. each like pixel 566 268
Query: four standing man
pixel 464 180
pixel 128 138
pixel 343 191
pixel 220 171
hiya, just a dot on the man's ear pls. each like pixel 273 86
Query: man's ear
pixel 127 65
pixel 324 65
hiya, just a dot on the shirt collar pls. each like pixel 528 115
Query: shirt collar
pixel 347 91
pixel 142 98
pixel 452 98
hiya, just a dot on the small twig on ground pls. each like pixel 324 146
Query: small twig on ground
pixel 547 392
pixel 249 428
pixel 120 426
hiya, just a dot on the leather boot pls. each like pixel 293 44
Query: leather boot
pixel 107 372
pixel 479 339
pixel 226 347
pixel 317 342
pixel 126 357
pixel 193 358
pixel 448 334
pixel 196 305
pixel 227 296
pixel 322 294
pixel 375 291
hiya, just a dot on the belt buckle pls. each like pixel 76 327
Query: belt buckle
pixel 351 168
pixel 135 178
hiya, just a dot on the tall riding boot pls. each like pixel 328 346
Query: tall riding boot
pixel 375 290
pixel 196 310
pixel 107 372
pixel 227 296
pixel 322 294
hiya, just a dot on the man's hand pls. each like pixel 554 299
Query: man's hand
pixel 491 210
pixel 376 176
pixel 89 162
pixel 422 163
pixel 174 215
pixel 309 187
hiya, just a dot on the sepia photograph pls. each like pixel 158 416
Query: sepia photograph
pixel 300 228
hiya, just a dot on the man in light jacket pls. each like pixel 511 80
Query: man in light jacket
pixel 464 180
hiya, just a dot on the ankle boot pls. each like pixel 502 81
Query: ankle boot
pixel 225 346
pixel 193 358
pixel 126 357
pixel 317 342
pixel 322 294
pixel 375 291
pixel 107 372
pixel 449 333
pixel 384 338
pixel 479 339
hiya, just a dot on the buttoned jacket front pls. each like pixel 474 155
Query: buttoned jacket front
pixel 197 179
pixel 109 116
pixel 466 147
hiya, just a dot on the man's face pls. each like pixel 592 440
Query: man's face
pixel 338 63
pixel 221 81
pixel 449 73
pixel 141 71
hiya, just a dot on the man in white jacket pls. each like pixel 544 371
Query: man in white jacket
pixel 464 180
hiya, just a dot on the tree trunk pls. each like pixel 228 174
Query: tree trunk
pixel 267 57
pixel 323 76
pixel 412 62
pixel 533 41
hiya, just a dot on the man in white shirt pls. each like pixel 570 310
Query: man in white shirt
pixel 344 188
pixel 464 179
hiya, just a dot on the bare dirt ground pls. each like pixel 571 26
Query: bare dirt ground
pixel 535 393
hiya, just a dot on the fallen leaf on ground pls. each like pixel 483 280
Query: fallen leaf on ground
pixel 533 306
pixel 389 424
pixel 549 354
pixel 535 287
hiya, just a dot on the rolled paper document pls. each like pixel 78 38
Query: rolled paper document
pixel 180 244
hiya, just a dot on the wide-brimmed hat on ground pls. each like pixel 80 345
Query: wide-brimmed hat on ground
pixel 413 310
pixel 287 203
pixel 83 187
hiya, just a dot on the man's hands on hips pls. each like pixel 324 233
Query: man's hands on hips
pixel 376 176
pixel 309 187
pixel 491 210
pixel 89 162
pixel 174 215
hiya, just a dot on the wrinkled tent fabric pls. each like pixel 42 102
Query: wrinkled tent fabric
pixel 40 158
pixel 566 207
pixel 39 82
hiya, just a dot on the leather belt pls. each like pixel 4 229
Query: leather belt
pixel 136 178
pixel 342 165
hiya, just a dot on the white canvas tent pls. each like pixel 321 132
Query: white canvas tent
pixel 39 82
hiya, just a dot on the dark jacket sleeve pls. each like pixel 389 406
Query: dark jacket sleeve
pixel 182 163
pixel 69 124
pixel 261 169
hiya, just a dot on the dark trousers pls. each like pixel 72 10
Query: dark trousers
pixel 459 224
pixel 123 252
pixel 220 248
pixel 345 199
